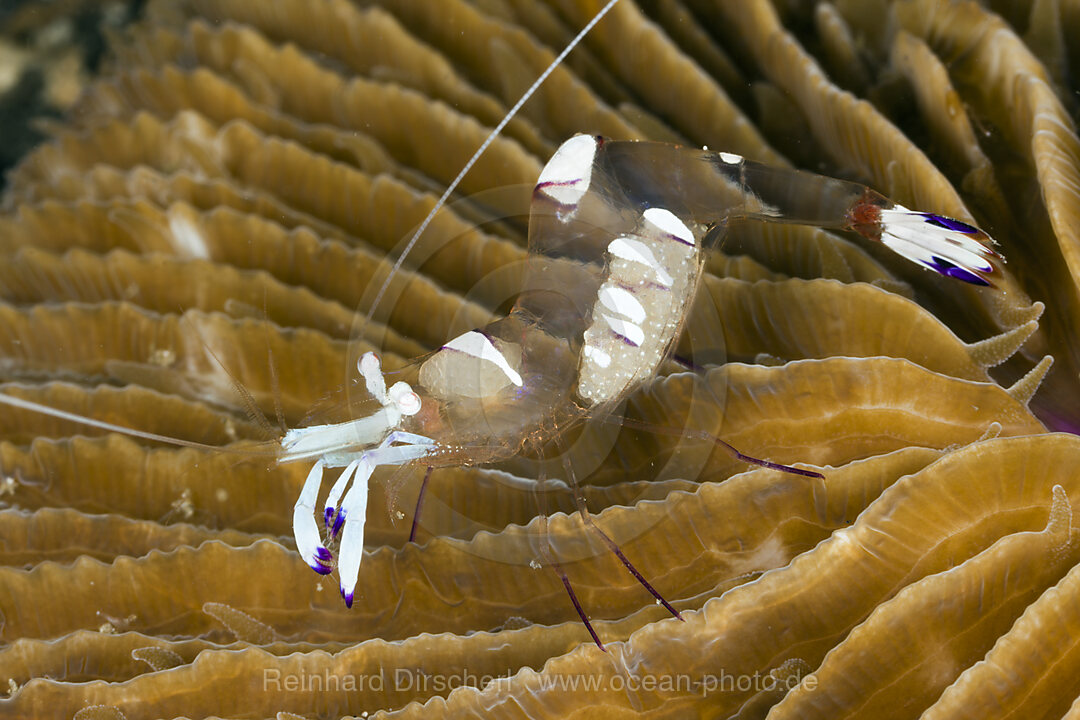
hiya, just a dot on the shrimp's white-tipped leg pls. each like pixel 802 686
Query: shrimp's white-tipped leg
pixel 305 529
pixel 353 514
pixel 948 247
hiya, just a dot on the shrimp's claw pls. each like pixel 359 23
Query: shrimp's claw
pixel 305 529
pixel 338 522
pixel 335 494
pixel 350 517
pixel 352 538
pixel 948 247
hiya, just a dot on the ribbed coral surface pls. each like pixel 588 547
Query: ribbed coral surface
pixel 205 233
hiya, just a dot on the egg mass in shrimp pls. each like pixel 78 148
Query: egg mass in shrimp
pixel 636 317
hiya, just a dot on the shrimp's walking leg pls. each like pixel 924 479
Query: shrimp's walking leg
pixel 550 561
pixel 354 509
pixel 305 529
pixel 750 459
pixel 586 518
pixel 709 437
pixel 419 505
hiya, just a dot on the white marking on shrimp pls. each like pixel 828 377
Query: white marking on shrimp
pixel 636 251
pixel 623 302
pixel 666 221
pixel 478 345
pixel 597 355
pixel 730 158
pixel 567 176
pixel 633 334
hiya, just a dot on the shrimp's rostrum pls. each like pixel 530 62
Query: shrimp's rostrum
pixel 617 237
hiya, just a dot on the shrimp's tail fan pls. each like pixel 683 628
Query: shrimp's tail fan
pixel 948 247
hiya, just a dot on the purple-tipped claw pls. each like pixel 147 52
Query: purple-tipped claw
pixel 348 598
pixel 321 562
pixel 338 522
pixel 306 528
pixel 327 515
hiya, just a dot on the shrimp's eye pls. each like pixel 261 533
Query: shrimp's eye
pixel 403 397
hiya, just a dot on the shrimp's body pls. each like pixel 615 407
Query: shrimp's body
pixel 618 232
pixel 617 239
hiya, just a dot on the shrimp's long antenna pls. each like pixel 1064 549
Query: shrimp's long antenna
pixel 6 399
pixel 496 131
pixel 246 398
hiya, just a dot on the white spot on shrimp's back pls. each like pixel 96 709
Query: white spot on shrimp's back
pixel 480 346
pixel 597 356
pixel 628 331
pixel 730 158
pixel 567 176
pixel 472 365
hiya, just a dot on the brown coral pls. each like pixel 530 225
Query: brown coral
pixel 222 202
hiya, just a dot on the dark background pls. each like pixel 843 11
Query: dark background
pixel 48 51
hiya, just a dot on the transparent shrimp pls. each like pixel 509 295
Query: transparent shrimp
pixel 618 232
pixel 617 239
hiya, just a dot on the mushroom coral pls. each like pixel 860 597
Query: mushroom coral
pixel 199 243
